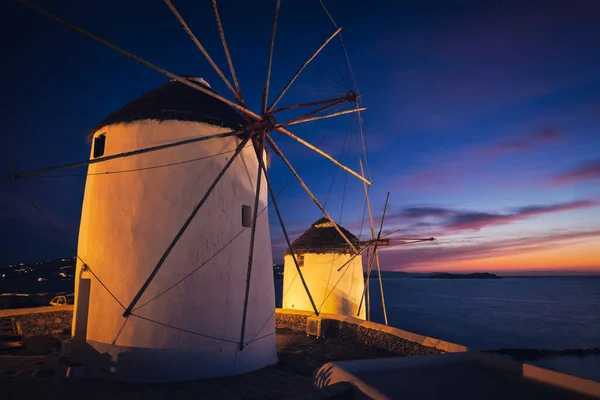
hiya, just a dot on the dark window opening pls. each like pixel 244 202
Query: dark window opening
pixel 246 216
pixel 300 259
pixel 99 143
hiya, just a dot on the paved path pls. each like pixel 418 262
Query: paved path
pixel 268 383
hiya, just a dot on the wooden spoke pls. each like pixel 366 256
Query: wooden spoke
pixel 265 95
pixel 148 64
pixel 163 258
pixel 377 260
pixel 187 29
pixel 368 292
pixel 302 69
pixel 366 288
pixel 419 239
pixel 412 241
pixel 372 225
pixel 259 155
pixel 348 97
pixel 301 121
pixel 321 152
pixel 121 155
pixel 222 34
pixel 305 116
pixel 391 233
pixel 375 255
pixel 385 318
pixel 287 239
pixel 310 194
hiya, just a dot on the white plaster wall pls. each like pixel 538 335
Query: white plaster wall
pixel 129 219
pixel 321 275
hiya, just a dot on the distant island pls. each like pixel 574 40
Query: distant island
pixel 446 275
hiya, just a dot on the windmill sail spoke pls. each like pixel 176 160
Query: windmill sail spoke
pixel 148 64
pixel 372 225
pixel 222 34
pixel 163 258
pixel 385 318
pixel 121 155
pixel 347 97
pixel 321 152
pixel 367 280
pixel 376 257
pixel 309 114
pixel 287 239
pixel 362 172
pixel 391 233
pixel 259 154
pixel 265 95
pixel 338 30
pixel 310 194
pixel 187 29
pixel 302 121
pixel 412 241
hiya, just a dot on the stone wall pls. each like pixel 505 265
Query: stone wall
pixel 377 338
pixel 39 321
pixel 294 320
pixel 368 333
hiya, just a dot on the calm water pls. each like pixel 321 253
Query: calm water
pixel 549 313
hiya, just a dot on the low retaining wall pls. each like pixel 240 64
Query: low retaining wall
pixel 38 321
pixel 369 333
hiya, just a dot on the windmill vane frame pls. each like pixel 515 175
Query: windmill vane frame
pixel 258 132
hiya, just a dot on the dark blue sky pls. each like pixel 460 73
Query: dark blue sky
pixel 482 116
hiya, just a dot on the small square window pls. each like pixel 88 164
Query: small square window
pixel 99 143
pixel 246 216
pixel 300 259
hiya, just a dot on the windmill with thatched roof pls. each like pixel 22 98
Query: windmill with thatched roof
pixel 320 251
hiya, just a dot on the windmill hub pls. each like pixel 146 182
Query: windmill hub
pixel 266 124
pixel 269 121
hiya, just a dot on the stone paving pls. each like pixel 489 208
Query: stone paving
pixel 268 383
pixel 24 376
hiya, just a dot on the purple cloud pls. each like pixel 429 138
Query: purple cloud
pixel 420 212
pixel 585 171
pixel 449 219
pixel 478 220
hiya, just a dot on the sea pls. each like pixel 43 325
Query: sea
pixel 555 313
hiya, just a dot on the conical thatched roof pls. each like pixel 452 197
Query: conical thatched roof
pixel 176 101
pixel 322 237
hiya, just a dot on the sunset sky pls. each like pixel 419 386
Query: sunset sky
pixel 483 120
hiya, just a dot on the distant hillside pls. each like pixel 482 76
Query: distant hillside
pixel 393 274
pixel 476 275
